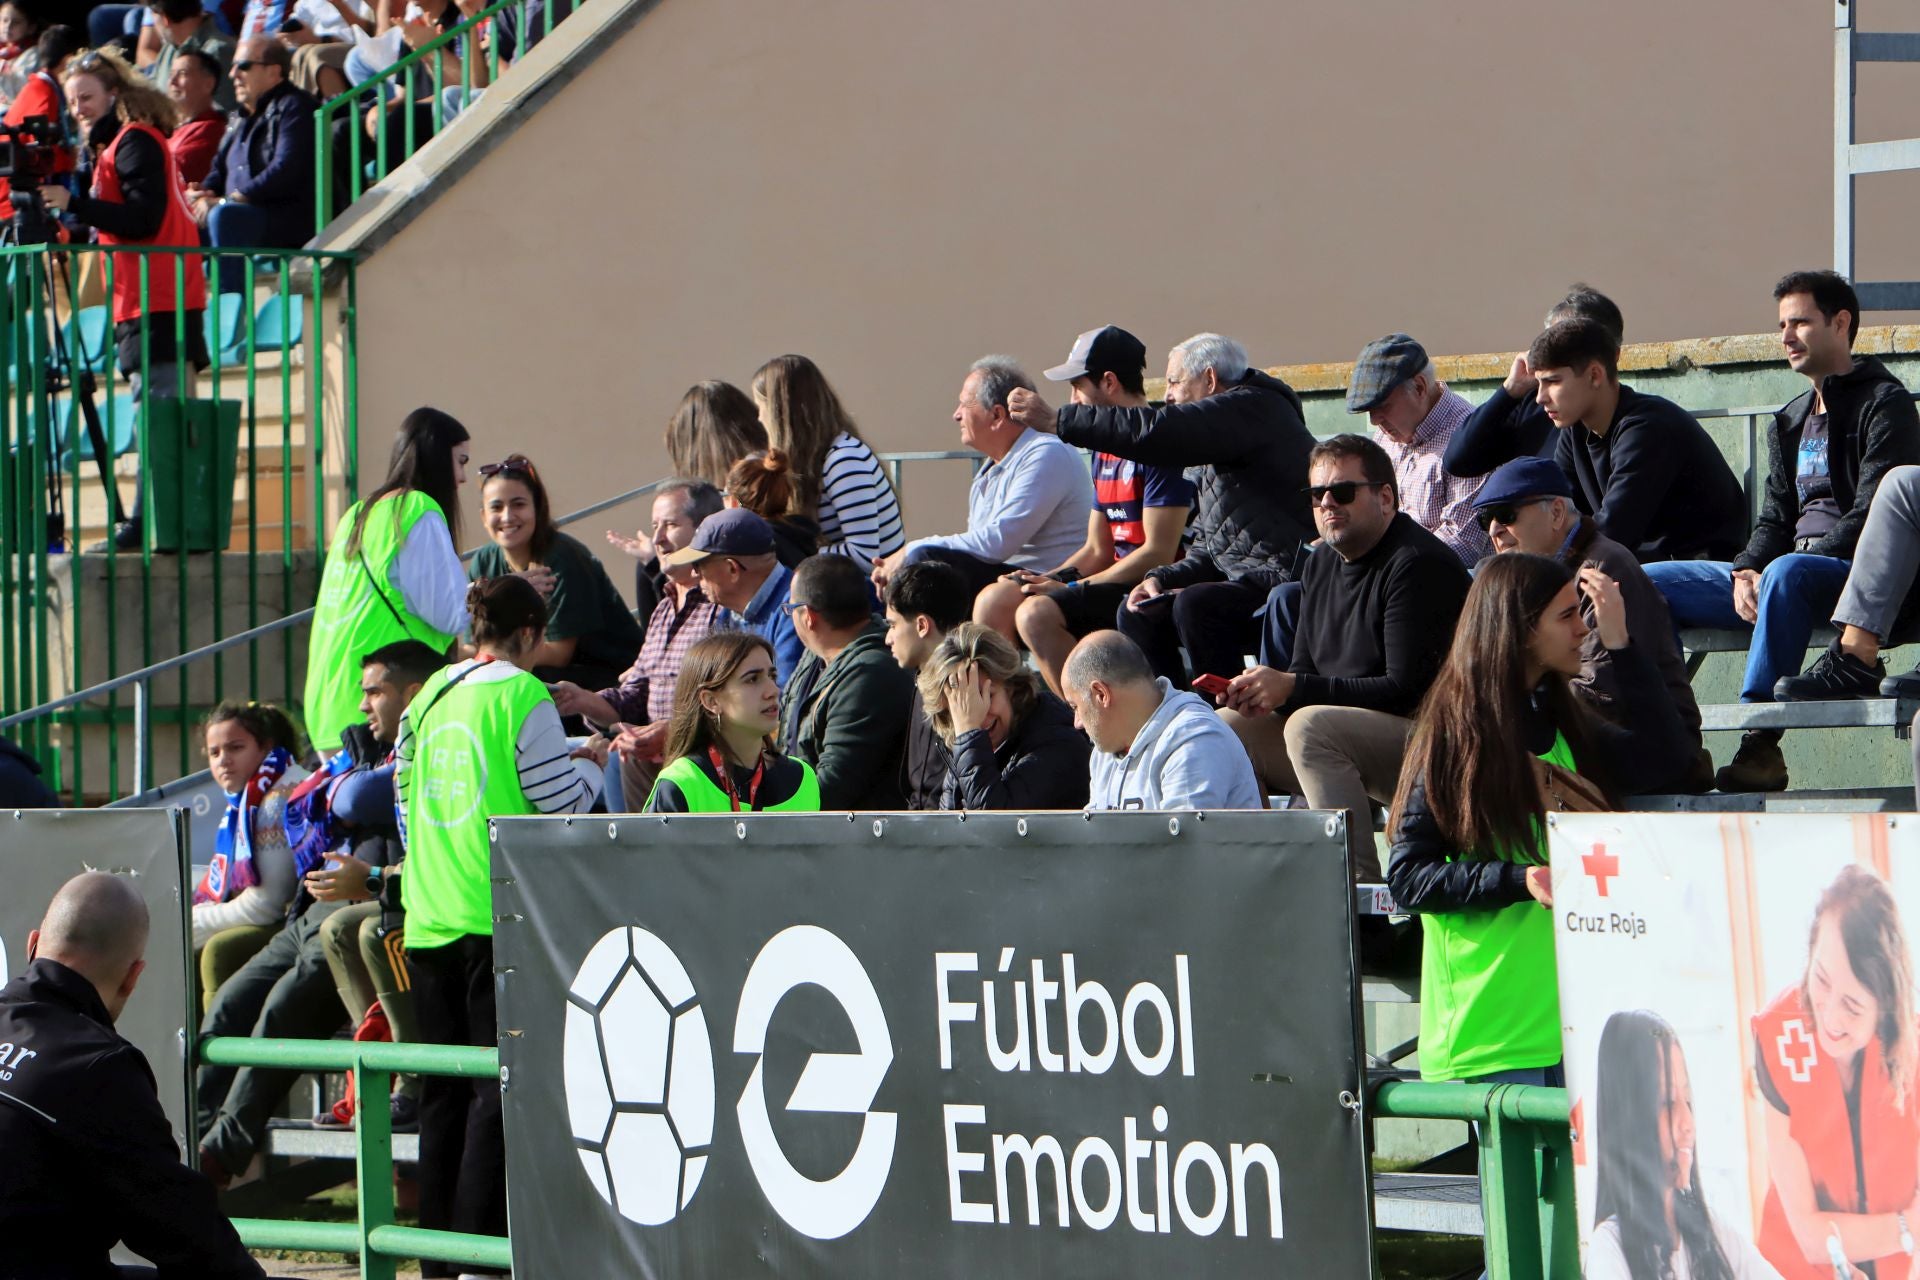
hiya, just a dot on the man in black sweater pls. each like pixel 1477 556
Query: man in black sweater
pixel 1649 475
pixel 1826 454
pixel 1242 431
pixel 1378 607
pixel 90 1160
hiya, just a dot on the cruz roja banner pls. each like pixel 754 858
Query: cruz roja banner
pixel 42 849
pixel 1742 1047
pixel 1065 1045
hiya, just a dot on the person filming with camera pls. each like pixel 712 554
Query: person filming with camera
pixel 137 199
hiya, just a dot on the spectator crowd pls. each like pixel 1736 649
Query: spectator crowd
pixel 1468 615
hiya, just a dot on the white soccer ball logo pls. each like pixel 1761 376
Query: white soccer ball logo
pixel 638 1068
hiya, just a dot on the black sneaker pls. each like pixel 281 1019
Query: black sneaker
pixel 1834 676
pixel 1757 765
pixel 126 537
pixel 1906 686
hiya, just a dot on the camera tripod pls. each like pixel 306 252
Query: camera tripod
pixel 33 223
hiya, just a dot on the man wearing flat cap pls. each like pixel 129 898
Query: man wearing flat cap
pixel 1414 415
pixel 1527 505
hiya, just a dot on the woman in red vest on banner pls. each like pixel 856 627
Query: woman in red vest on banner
pixel 138 199
pixel 1835 1060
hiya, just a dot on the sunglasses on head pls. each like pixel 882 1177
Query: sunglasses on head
pixel 516 464
pixel 1504 513
pixel 1343 492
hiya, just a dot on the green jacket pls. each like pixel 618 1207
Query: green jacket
pixel 848 719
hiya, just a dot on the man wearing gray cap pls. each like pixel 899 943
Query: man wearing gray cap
pixel 1414 416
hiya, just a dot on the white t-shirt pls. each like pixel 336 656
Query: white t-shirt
pixel 321 18
pixel 1606 1261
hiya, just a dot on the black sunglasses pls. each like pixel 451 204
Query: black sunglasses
pixel 1506 512
pixel 1343 492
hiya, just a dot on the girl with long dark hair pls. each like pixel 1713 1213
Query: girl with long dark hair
pixel 720 755
pixel 1650 1221
pixel 1499 741
pixel 392 571
pixel 714 426
pixel 1835 1059
pixel 838 482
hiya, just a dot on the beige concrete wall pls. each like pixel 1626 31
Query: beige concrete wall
pixel 896 188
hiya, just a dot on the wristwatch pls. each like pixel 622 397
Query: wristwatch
pixel 374 882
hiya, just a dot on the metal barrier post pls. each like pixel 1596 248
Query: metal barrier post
pixel 142 729
pixel 373 1165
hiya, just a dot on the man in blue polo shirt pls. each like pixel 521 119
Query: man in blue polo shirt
pixel 732 555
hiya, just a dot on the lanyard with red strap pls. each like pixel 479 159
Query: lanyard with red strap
pixel 726 780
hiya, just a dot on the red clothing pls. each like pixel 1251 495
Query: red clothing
pixel 196 142
pixel 177 229
pixel 1797 1078
pixel 37 97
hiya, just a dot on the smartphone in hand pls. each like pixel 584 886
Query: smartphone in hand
pixel 1207 682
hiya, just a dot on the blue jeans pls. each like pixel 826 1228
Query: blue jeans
pixel 1553 1077
pixel 1796 592
pixel 1277 628
pixel 235 226
pixel 108 22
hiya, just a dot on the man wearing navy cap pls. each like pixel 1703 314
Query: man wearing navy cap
pixel 732 555
pixel 1527 505
pixel 1414 417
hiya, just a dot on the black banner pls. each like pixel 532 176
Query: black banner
pixel 42 849
pixel 1068 1045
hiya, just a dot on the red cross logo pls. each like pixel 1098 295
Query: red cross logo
pixel 1796 1050
pixel 1601 865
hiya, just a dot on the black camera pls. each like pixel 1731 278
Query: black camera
pixel 30 150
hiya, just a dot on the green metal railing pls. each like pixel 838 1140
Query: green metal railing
pixel 67 617
pixel 1526 1168
pixel 417 81
pixel 375 1236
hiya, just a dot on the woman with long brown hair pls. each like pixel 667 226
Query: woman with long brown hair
pixel 714 427
pixel 838 482
pixel 1499 741
pixel 720 755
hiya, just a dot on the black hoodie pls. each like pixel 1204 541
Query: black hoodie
pixel 1250 444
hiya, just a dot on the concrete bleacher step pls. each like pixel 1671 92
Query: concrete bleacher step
pixel 1856 713
pixel 297 1139
pixel 1437 1203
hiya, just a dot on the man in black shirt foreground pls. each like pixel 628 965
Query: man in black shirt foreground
pixel 90 1159
pixel 1378 607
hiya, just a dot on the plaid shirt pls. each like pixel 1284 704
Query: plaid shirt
pixel 645 692
pixel 1439 502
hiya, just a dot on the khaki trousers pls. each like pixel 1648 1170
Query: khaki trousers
pixel 1335 757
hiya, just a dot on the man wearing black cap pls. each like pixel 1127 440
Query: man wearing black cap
pixel 732 555
pixel 1414 416
pixel 1139 513
pixel 1242 429
pixel 1527 506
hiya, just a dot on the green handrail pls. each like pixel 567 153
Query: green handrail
pixel 1526 1168
pixel 398 79
pixel 42 452
pixel 375 1237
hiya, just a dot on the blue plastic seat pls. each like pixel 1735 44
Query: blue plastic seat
pixel 281 321
pixel 90 339
pixel 119 422
pixel 226 336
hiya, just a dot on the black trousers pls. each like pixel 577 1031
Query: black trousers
pixel 1213 620
pixel 980 574
pixel 463 1154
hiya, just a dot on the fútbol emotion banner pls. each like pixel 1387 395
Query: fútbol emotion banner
pixel 1118 1045
pixel 1742 1047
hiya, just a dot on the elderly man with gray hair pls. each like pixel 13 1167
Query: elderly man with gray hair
pixel 1028 506
pixel 1243 431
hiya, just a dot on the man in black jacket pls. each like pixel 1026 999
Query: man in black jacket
pixel 90 1160
pixel 1643 468
pixel 1378 608
pixel 288 989
pixel 845 710
pixel 260 191
pixel 1826 454
pixel 1242 431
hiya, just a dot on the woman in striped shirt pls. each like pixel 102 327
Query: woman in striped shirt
pixel 838 482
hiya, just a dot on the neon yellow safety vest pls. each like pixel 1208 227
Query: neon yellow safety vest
pixel 1489 987
pixel 459 769
pixel 703 796
pixel 360 609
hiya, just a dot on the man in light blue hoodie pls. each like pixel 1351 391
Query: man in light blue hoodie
pixel 1155 747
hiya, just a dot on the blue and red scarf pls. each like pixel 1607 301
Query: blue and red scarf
pixel 312 832
pixel 232 868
